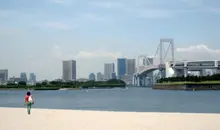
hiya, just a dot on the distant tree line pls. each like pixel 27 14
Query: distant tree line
pixel 20 83
pixel 214 77
pixel 69 84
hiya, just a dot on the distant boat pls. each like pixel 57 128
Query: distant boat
pixel 63 89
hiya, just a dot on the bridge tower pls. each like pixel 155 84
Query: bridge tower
pixel 156 62
pixel 163 54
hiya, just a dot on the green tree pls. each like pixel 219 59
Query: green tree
pixel 38 85
pixel 44 83
pixel 22 83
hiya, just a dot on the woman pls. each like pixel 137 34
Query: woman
pixel 29 101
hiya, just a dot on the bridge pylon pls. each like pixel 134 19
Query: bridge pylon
pixel 146 64
pixel 162 51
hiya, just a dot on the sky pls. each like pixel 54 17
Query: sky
pixel 36 35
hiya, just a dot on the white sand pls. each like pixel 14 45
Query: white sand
pixel 43 119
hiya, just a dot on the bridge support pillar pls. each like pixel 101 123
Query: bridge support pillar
pixel 185 72
pixel 149 81
pixel 144 80
pixel 162 73
pixel 134 80
pixel 138 81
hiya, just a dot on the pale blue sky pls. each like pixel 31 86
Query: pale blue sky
pixel 36 35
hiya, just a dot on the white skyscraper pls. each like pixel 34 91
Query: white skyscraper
pixel 3 75
pixel 23 76
pixel 130 66
pixel 32 78
pixel 109 68
pixel 99 76
pixel 69 70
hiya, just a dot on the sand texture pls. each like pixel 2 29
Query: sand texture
pixel 51 119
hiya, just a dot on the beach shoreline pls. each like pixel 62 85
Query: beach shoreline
pixel 51 119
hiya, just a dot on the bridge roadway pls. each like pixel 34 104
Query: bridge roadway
pixel 189 65
pixel 180 68
pixel 194 65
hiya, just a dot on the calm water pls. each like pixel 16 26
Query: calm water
pixel 131 99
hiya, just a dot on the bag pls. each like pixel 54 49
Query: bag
pixel 30 99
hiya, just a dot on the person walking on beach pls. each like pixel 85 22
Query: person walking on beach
pixel 29 101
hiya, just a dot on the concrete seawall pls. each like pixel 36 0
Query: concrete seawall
pixel 170 87
pixel 187 87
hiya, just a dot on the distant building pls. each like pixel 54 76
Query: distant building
pixel 109 68
pixel 103 77
pixel 82 80
pixel 92 76
pixel 130 66
pixel 14 79
pixel 3 75
pixel 69 70
pixel 23 76
pixel 121 64
pixel 127 79
pixel 99 76
pixel 114 75
pixel 32 78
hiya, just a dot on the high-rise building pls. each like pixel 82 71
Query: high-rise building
pixel 121 62
pixel 99 76
pixel 103 77
pixel 114 75
pixel 3 75
pixel 32 78
pixel 130 66
pixel 92 76
pixel 69 70
pixel 23 76
pixel 109 68
pixel 14 79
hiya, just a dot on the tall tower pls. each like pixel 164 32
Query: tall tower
pixel 32 78
pixel 130 66
pixel 109 68
pixel 121 62
pixel 163 54
pixel 99 76
pixel 23 76
pixel 69 70
pixel 3 75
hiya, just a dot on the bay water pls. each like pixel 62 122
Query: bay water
pixel 132 99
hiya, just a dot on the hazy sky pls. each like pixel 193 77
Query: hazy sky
pixel 36 35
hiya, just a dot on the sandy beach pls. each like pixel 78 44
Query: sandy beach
pixel 52 119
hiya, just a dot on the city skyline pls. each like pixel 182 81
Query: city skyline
pixel 94 32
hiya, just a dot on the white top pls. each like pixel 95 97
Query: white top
pixel 30 99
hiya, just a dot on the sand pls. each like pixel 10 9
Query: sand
pixel 47 119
